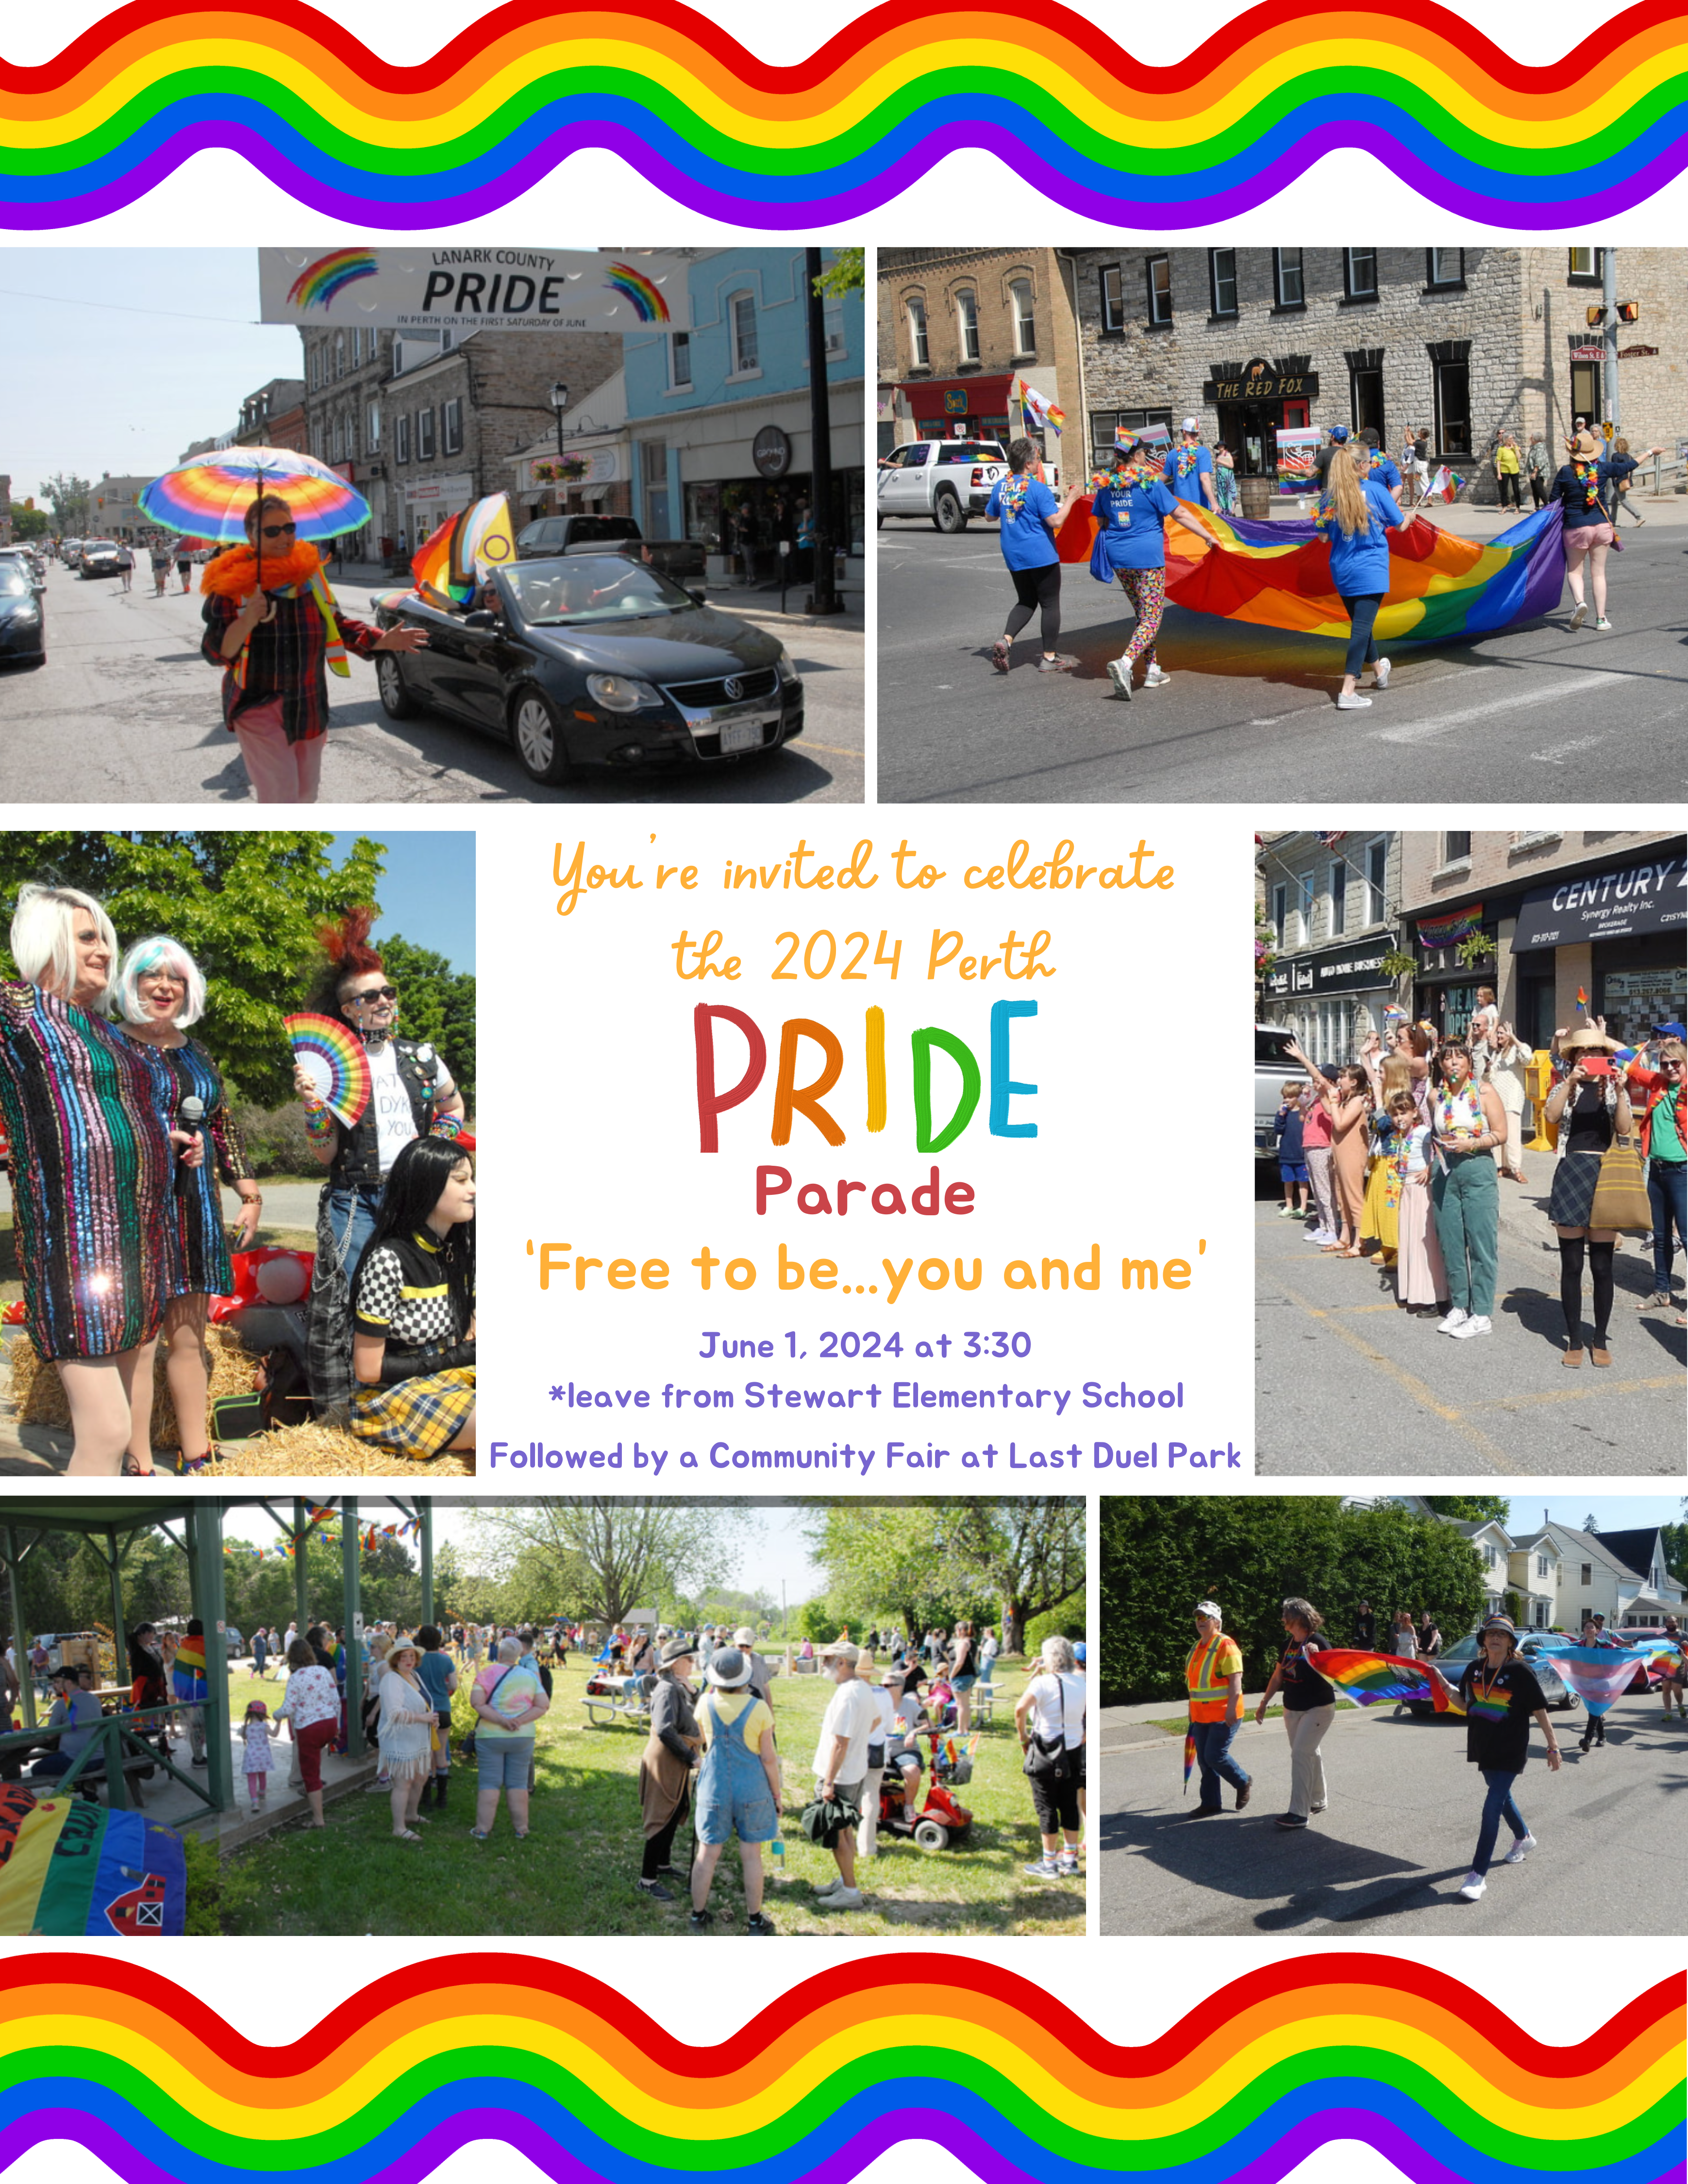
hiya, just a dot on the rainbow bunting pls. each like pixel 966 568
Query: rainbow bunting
pixel 1330 2048
pixel 1378 1678
pixel 1442 588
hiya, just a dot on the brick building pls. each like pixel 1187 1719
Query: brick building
pixel 273 416
pixel 1332 907
pixel 1559 908
pixel 959 330
pixel 1467 341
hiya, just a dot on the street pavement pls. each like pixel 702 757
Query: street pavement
pixel 1388 1857
pixel 1537 713
pixel 126 711
pixel 1346 1381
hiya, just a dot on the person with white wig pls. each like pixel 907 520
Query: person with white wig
pixel 161 991
pixel 93 1160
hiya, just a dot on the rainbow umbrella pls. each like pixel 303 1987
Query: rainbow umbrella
pixel 212 494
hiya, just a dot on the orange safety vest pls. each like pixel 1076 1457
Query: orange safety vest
pixel 1210 1695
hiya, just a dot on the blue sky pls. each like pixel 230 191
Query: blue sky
pixel 1612 1512
pixel 428 890
pixel 91 388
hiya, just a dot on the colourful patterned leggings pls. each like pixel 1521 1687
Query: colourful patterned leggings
pixel 1146 589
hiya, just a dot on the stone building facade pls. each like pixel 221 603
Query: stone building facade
pixel 959 329
pixel 1332 908
pixel 1467 341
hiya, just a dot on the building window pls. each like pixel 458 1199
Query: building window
pixel 375 428
pixel 451 426
pixel 1488 1555
pixel 424 436
pixel 1113 299
pixel 357 346
pixel 741 317
pixel 679 362
pixel 1455 849
pixel 1280 908
pixel 832 324
pixel 1588 1576
pixel 402 440
pixel 1288 288
pixel 1158 280
pixel 316 367
pixel 1112 429
pixel 967 324
pixel 1366 392
pixel 1377 857
pixel 1588 264
pixel 1222 280
pixel 338 443
pixel 1360 275
pixel 1445 268
pixel 1338 898
pixel 920 349
pixel 1304 909
pixel 351 436
pixel 1453 408
pixel 1025 318
pixel 1541 1565
pixel 339 356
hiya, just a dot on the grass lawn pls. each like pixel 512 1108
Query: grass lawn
pixel 576 1873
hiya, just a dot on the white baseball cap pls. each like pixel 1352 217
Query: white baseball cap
pixel 1192 424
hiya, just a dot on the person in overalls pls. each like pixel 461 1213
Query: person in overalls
pixel 738 1786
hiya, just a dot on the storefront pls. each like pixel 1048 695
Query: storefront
pixel 976 407
pixel 429 501
pixel 1333 997
pixel 1454 952
pixel 747 483
pixel 1254 402
pixel 1632 919
pixel 590 477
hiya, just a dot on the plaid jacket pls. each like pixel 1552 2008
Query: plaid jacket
pixel 286 658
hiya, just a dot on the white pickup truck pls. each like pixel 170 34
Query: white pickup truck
pixel 946 480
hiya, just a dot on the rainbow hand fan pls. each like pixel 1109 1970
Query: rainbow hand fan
pixel 1375 1679
pixel 333 1057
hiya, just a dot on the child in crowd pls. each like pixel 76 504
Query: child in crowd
pixel 1421 1279
pixel 1292 1167
pixel 258 1731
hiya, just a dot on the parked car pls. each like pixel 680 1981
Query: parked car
pixel 22 627
pixel 1272 1070
pixel 596 660
pixel 70 551
pixel 98 558
pixel 237 1644
pixel 948 480
pixel 684 559
pixel 1532 1644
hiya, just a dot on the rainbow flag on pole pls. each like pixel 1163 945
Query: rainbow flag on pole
pixel 1040 411
pixel 71 1869
pixel 449 565
pixel 1443 589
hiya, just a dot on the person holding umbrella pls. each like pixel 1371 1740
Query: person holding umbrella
pixel 271 625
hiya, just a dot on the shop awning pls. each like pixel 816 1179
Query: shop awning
pixel 985 395
pixel 1646 896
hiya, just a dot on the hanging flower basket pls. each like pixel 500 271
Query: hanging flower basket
pixel 568 470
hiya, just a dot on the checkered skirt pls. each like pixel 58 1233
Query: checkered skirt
pixel 1574 1187
pixel 419 1417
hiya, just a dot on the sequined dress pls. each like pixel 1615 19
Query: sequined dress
pixel 90 1167
pixel 199 1259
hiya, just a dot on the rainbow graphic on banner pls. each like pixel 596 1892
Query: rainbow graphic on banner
pixel 1442 589
pixel 324 278
pixel 568 2074
pixel 1561 144
pixel 69 1868
pixel 641 292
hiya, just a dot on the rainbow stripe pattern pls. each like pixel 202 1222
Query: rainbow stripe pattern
pixel 324 278
pixel 68 1867
pixel 642 292
pixel 565 2072
pixel 1526 145
pixel 1376 1679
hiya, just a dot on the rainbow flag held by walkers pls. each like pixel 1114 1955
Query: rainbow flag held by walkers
pixel 1443 589
pixel 71 1869
pixel 1378 1678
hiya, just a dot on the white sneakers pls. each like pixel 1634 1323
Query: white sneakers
pixel 1476 1324
pixel 1601 622
pixel 1475 1885
pixel 1579 615
pixel 1350 701
pixel 1119 675
pixel 1457 1318
pixel 1380 668
pixel 1520 1851
pixel 1157 674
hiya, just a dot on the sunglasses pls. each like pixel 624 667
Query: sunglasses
pixel 278 530
pixel 374 994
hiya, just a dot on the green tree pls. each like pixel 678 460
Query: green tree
pixel 1472 1508
pixel 68 498
pixel 931 1562
pixel 844 275
pixel 1674 1539
pixel 1162 1553
pixel 438 1004
pixel 245 905
pixel 602 1556
pixel 28 523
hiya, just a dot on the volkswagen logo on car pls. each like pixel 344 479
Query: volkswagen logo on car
pixel 734 688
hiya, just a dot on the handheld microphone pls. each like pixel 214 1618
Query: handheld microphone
pixel 189 1117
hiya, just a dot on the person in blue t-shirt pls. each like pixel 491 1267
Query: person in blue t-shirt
pixel 1355 517
pixel 1027 512
pixel 1131 506
pixel 1384 468
pixel 1188 468
pixel 1583 490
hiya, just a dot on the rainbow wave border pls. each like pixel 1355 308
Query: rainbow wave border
pixel 566 2072
pixel 1471 129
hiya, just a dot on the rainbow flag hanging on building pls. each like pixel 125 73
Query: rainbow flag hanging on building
pixel 71 1869
pixel 1378 1678
pixel 1443 589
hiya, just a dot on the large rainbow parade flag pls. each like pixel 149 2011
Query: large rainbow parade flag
pixel 1599 1675
pixel 71 1869
pixel 1379 1679
pixel 1442 589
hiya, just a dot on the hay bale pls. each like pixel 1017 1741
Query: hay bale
pixel 322 1451
pixel 37 1394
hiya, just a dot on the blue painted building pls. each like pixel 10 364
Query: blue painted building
pixel 718 417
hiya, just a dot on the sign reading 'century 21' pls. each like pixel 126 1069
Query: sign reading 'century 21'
pixel 456 289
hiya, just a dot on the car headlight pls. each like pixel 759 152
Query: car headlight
pixel 27 615
pixel 782 661
pixel 622 693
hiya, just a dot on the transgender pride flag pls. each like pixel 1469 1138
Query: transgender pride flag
pixel 1598 1674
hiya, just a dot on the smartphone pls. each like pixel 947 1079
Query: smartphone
pixel 1597 1065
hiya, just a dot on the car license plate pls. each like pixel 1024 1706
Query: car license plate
pixel 740 736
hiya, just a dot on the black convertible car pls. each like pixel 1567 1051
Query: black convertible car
pixel 20 618
pixel 594 659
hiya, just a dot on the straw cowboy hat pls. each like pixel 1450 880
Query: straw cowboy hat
pixel 1584 1038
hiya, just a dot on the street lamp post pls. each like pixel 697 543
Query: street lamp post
pixel 824 599
pixel 559 403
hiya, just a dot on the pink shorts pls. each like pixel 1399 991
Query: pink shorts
pixel 1589 534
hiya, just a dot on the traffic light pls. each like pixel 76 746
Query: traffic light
pixel 1629 313
pixel 1596 312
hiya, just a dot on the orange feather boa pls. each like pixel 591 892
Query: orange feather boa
pixel 234 574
